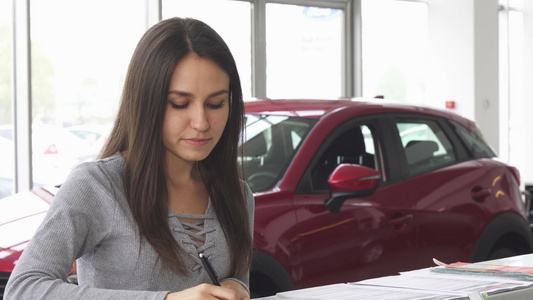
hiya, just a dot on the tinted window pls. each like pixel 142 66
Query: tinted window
pixel 474 142
pixel 353 146
pixel 425 145
pixel 269 146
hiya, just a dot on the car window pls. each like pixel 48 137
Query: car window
pixel 425 145
pixel 354 146
pixel 269 145
pixel 474 142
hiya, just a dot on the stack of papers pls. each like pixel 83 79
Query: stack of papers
pixel 516 272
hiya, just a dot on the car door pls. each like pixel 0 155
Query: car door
pixel 371 236
pixel 443 180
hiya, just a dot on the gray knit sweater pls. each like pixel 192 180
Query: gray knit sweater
pixel 90 221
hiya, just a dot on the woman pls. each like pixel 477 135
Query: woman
pixel 165 189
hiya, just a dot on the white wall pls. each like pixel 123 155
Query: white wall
pixel 463 67
pixel 486 82
pixel 451 54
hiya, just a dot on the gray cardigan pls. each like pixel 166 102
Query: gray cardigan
pixel 90 220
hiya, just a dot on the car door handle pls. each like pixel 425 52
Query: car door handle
pixel 400 223
pixel 479 194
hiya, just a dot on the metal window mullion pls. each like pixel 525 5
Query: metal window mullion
pixel 356 50
pixel 258 40
pixel 340 4
pixel 154 12
pixel 347 67
pixel 22 95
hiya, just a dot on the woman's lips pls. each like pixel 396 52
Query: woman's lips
pixel 197 142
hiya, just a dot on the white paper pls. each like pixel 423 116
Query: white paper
pixel 413 285
pixel 364 292
pixel 469 283
pixel 441 283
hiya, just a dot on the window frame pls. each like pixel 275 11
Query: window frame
pixel 395 144
pixel 351 73
pixel 351 49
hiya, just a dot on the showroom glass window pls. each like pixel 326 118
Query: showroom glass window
pixel 231 19
pixel 80 51
pixel 6 116
pixel 304 51
pixel 395 50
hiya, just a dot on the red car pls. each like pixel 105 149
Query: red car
pixel 352 189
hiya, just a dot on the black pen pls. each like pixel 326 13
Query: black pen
pixel 209 269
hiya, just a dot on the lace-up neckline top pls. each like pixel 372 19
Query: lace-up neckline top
pixel 195 232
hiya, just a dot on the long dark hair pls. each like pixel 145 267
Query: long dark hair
pixel 138 129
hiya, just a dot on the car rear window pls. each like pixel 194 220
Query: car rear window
pixel 474 142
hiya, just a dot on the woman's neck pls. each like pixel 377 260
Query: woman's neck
pixel 186 190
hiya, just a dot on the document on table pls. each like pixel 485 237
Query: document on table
pixel 453 282
pixel 343 291
pixel 419 284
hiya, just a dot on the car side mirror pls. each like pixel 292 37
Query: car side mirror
pixel 350 181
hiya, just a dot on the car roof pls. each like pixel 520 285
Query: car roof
pixel 317 108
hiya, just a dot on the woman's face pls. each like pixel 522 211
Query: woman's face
pixel 197 109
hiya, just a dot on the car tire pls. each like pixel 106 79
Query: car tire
pixel 267 276
pixel 506 233
pixel 502 253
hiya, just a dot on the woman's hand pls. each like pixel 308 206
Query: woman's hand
pixel 240 291
pixel 208 291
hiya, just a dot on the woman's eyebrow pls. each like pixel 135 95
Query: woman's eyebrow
pixel 221 92
pixel 186 94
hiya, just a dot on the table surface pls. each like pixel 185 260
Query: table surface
pixel 521 260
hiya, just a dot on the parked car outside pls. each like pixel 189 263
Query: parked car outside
pixel 7 156
pixel 351 189
pixel 95 135
pixel 55 151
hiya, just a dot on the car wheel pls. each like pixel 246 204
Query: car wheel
pixel 267 276
pixel 502 253
pixel 504 236
pixel 262 286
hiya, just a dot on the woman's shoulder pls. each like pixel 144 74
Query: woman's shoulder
pixel 246 189
pixel 105 172
pixel 113 163
pixel 248 195
pixel 92 184
pixel 109 165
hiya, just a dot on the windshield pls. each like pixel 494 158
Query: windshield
pixel 269 146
